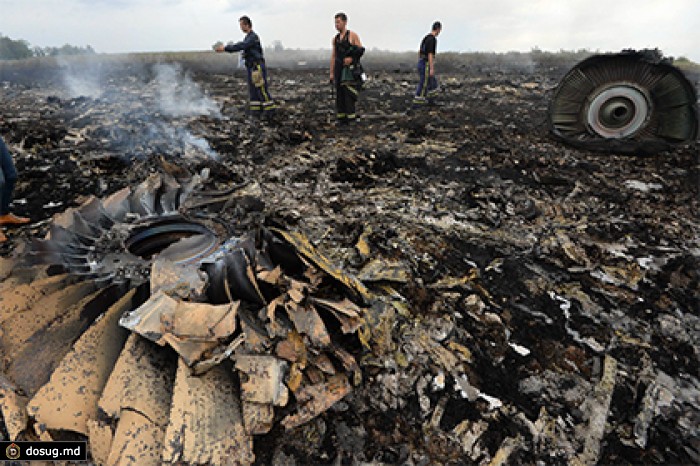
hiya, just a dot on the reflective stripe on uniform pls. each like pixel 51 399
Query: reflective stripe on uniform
pixel 262 88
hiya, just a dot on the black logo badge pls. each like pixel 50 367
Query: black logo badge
pixel 13 452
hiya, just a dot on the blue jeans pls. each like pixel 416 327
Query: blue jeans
pixel 8 178
pixel 427 86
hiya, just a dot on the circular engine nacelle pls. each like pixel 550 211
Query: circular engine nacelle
pixel 630 102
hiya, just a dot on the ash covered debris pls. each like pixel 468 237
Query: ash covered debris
pixel 255 322
pixel 533 302
pixel 146 114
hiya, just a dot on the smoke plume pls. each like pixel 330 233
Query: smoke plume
pixel 148 115
pixel 81 76
pixel 179 96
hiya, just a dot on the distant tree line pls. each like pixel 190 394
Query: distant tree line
pixel 11 49
pixel 66 49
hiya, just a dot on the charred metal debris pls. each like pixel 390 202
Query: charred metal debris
pixel 520 301
pixel 227 333
pixel 630 102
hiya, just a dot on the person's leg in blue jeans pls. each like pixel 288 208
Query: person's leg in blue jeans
pixel 8 178
pixel 423 75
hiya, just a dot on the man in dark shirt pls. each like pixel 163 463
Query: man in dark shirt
pixel 427 86
pixel 347 51
pixel 8 178
pixel 260 100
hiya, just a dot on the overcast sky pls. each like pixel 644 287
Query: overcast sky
pixel 468 25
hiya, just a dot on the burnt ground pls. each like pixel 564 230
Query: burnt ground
pixel 530 265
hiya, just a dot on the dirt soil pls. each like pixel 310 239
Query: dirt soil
pixel 531 267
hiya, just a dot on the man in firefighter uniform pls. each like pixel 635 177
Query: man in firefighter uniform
pixel 260 100
pixel 427 86
pixel 346 69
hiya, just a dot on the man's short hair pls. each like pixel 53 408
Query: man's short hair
pixel 342 16
pixel 437 25
pixel 245 20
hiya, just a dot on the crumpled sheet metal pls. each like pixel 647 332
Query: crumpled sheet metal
pixel 137 440
pixel 308 322
pixel 201 333
pixel 231 274
pixel 17 298
pixel 6 266
pixel 316 399
pixel 263 381
pixel 290 344
pixel 141 381
pixel 262 388
pixel 191 329
pixel 206 425
pixel 69 400
pixel 348 313
pixel 135 406
pixel 143 200
pixel 13 408
pixel 303 340
pixel 302 244
pixel 179 280
pixel 36 358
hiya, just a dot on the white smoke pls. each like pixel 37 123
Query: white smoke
pixel 189 145
pixel 179 96
pixel 80 87
pixel 141 111
pixel 81 76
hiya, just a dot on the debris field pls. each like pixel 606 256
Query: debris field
pixel 444 286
